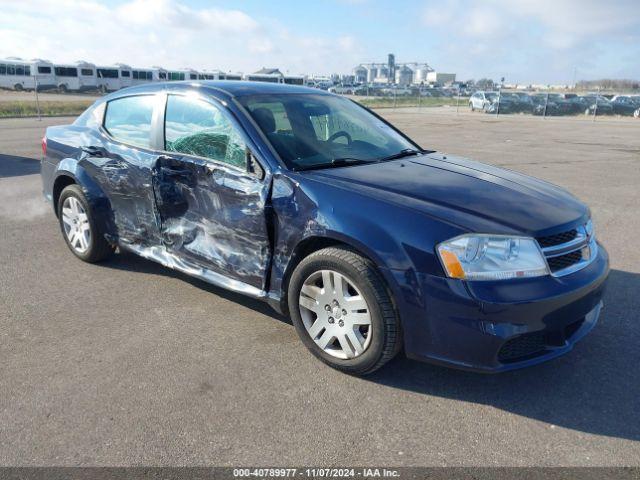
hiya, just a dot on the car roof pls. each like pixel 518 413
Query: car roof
pixel 231 88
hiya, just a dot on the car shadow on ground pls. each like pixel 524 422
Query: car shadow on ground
pixel 14 166
pixel 134 263
pixel 594 388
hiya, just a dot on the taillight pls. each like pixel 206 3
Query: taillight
pixel 44 146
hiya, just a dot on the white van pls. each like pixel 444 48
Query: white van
pixel 75 77
pixel 159 74
pixel 16 74
pixel 180 75
pixel 110 78
pixel 295 79
pixel 231 76
pixel 210 75
pixel 43 71
pixel 141 75
pixel 190 74
pixel 107 78
pixel 126 80
pixel 264 77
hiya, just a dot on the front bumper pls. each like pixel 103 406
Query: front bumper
pixel 498 326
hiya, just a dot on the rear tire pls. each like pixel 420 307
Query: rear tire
pixel 339 312
pixel 18 87
pixel 473 109
pixel 79 228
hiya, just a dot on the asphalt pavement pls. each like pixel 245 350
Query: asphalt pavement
pixel 128 363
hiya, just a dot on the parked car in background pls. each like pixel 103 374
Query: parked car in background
pixel 396 91
pixel 551 104
pixel 481 100
pixel 268 190
pixel 511 102
pixel 595 105
pixel 525 104
pixel 343 89
pixel 625 105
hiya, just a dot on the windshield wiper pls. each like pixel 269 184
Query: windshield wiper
pixel 339 162
pixel 407 152
pixel 336 162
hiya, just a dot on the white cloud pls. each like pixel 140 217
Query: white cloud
pixel 164 32
pixel 564 22
pixel 533 39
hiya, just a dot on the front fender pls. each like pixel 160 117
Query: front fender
pixel 394 237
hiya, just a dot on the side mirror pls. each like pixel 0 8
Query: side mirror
pixel 253 166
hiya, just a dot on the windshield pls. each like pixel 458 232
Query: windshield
pixel 491 95
pixel 317 131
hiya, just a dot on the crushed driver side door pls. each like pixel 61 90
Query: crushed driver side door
pixel 212 210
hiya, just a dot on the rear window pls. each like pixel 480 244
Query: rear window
pixel 128 119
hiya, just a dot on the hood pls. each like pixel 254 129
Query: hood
pixel 472 195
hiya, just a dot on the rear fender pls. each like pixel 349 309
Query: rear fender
pixel 97 198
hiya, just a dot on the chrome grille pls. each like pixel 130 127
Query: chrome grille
pixel 569 251
pixel 564 261
pixel 553 240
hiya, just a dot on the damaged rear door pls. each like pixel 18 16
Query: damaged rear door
pixel 212 210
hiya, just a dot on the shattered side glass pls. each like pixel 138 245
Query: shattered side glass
pixel 195 127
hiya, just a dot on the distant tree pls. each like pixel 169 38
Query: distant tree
pixel 485 84
pixel 608 84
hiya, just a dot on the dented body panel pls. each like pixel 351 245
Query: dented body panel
pixel 245 229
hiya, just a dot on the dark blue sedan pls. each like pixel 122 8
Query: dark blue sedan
pixel 371 244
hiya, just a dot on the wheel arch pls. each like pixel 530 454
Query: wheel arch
pixel 70 172
pixel 314 243
pixel 61 182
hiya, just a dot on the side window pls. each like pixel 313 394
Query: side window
pixel 196 127
pixel 128 119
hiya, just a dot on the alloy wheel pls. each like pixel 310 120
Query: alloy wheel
pixel 335 314
pixel 76 225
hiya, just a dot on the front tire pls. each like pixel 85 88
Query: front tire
pixel 343 311
pixel 79 228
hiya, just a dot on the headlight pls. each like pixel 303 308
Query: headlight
pixel 491 257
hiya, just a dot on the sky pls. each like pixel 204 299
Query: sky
pixel 524 41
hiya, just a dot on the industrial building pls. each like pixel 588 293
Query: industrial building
pixel 403 74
